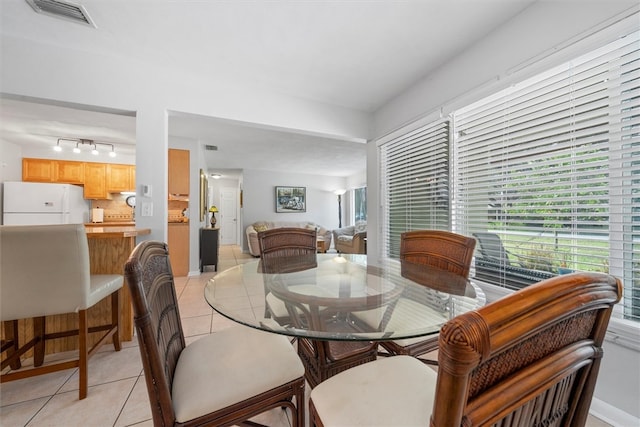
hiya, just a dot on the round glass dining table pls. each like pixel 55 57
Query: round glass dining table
pixel 340 297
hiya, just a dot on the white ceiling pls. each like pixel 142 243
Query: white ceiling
pixel 354 54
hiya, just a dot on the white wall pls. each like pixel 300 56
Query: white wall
pixel 259 198
pixel 10 164
pixel 546 33
pixel 152 93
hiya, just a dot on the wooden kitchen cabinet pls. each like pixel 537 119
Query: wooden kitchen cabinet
pixel 68 172
pixel 95 181
pixel 178 242
pixel 120 178
pixel 99 179
pixel 178 172
pixel 37 170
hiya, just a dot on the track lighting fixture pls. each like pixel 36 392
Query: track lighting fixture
pixel 81 142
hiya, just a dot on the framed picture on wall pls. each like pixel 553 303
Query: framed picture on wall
pixel 204 203
pixel 291 199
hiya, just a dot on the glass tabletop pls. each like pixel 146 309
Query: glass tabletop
pixel 340 297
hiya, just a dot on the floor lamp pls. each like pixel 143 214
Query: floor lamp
pixel 339 193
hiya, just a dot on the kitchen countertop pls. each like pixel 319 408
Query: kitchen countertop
pixel 110 224
pixel 99 232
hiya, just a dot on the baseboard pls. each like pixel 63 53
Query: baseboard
pixel 612 415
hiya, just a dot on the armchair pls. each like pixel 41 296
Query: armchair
pixel 351 239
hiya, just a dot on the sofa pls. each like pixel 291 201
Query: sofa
pixel 324 235
pixel 351 239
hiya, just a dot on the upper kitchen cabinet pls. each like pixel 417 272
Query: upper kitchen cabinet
pixel 95 181
pixel 120 178
pixel 47 170
pixel 68 172
pixel 37 170
pixel 178 172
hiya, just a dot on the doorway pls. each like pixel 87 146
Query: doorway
pixel 228 216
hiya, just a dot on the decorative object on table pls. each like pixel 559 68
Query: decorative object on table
pixel 291 199
pixel 213 211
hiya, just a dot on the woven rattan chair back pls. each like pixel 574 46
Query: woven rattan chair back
pixel 442 249
pixel 161 339
pixel 530 358
pixel 287 241
pixel 158 326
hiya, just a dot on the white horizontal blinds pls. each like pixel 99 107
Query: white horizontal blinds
pixel 625 176
pixel 415 183
pixel 552 166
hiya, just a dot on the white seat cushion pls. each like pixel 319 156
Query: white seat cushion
pixel 103 285
pixel 393 391
pixel 230 366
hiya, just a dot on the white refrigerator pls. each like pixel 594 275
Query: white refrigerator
pixel 34 203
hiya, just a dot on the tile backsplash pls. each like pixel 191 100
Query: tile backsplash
pixel 115 210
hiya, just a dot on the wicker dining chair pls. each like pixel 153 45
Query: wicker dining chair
pixel 528 359
pixel 276 245
pixel 440 249
pixel 217 380
pixel 321 359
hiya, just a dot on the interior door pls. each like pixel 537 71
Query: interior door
pixel 228 216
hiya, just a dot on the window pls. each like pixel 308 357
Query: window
pixel 552 166
pixel 360 204
pixel 415 188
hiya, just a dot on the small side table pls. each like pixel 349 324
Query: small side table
pixel 209 239
pixel 320 246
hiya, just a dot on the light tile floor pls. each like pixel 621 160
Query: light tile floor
pixel 117 394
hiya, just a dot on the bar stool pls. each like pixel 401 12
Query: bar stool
pixel 44 271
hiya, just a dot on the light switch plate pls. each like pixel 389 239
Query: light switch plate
pixel 147 209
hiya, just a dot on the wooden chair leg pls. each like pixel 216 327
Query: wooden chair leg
pixel 115 318
pixel 11 335
pixel 39 346
pixel 83 356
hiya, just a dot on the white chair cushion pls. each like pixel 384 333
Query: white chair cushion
pixel 102 285
pixel 230 366
pixel 392 391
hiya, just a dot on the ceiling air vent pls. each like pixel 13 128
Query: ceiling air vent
pixel 211 147
pixel 62 9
